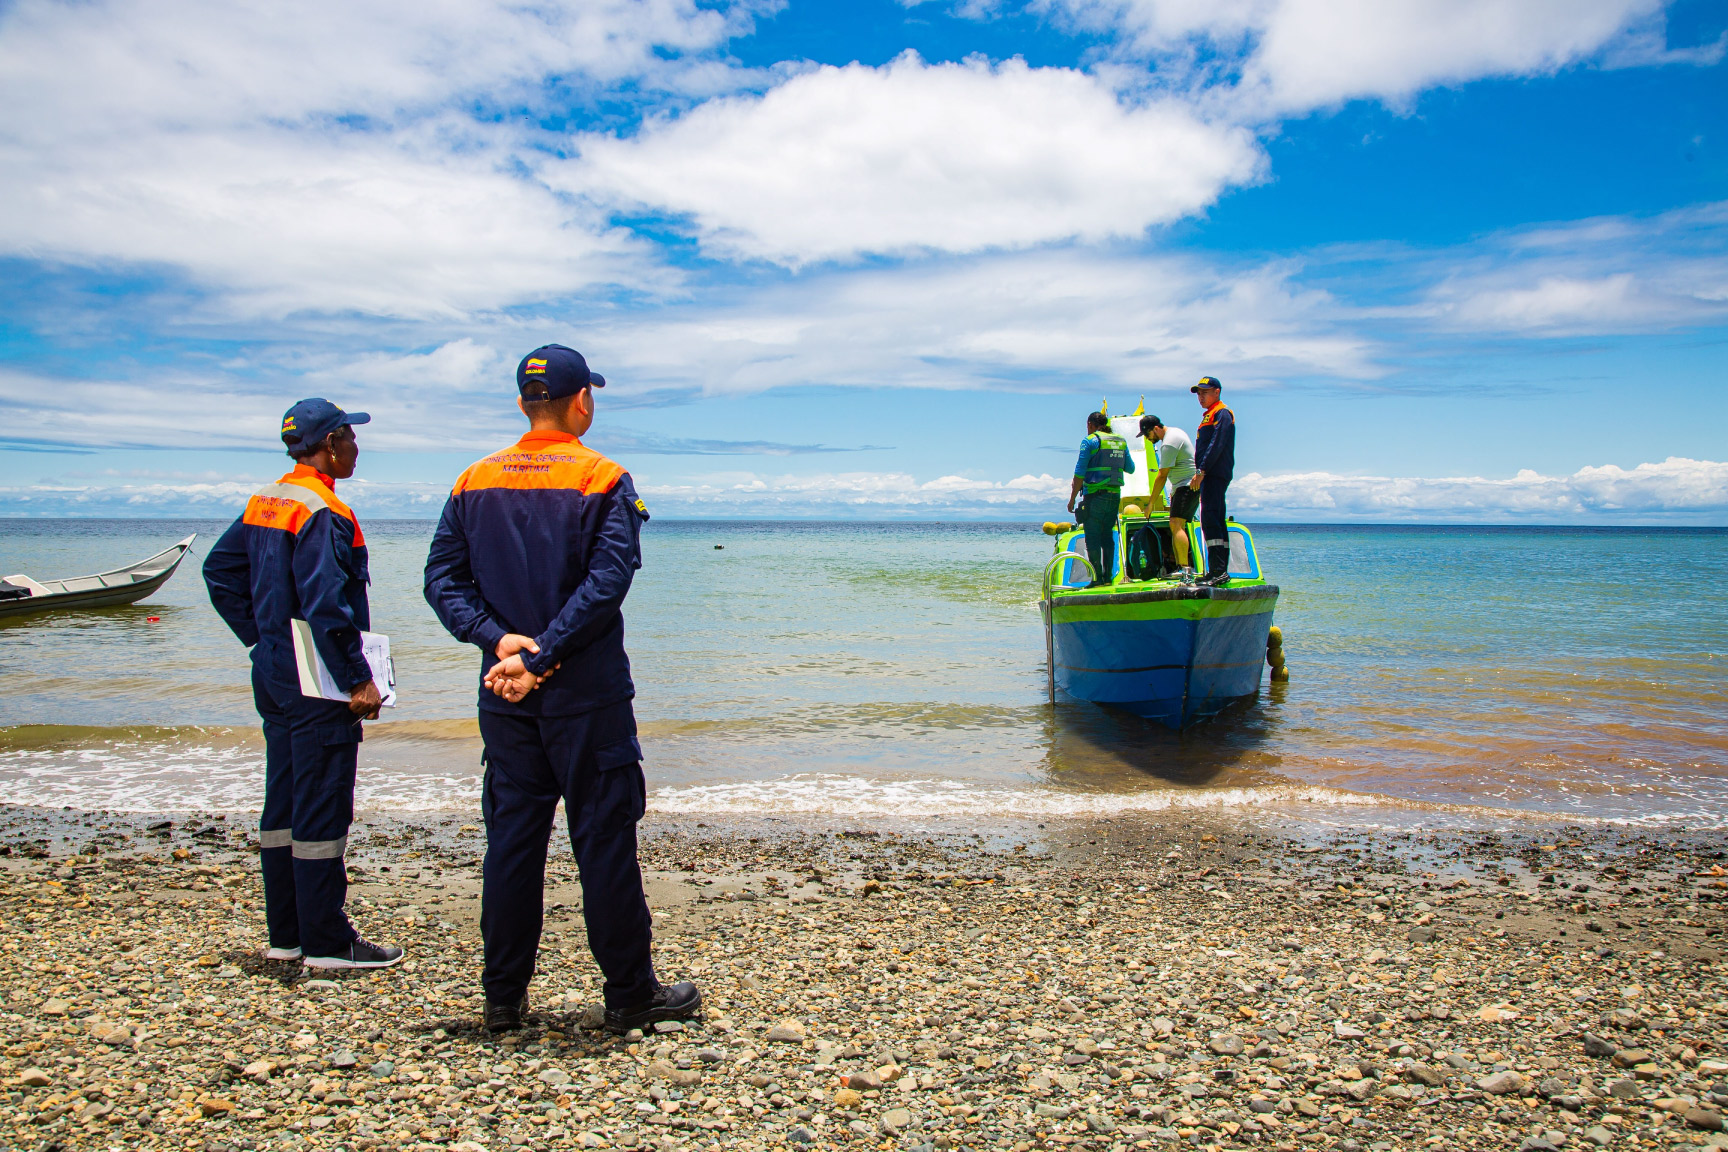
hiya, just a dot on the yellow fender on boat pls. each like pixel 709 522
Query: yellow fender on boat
pixel 1131 510
pixel 1275 654
pixel 1051 528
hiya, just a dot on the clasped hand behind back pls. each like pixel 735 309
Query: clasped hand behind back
pixel 510 677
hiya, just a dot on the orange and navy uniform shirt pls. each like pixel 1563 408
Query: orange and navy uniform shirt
pixel 543 540
pixel 1215 443
pixel 296 552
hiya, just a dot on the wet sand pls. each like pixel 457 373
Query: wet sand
pixel 1192 979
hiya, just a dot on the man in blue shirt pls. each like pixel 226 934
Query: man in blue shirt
pixel 297 554
pixel 531 562
pixel 1214 463
pixel 1104 457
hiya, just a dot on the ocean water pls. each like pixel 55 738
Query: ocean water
pixel 897 670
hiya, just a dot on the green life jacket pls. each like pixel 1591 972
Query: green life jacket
pixel 1109 460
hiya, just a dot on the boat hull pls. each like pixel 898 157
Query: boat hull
pixel 105 589
pixel 1176 654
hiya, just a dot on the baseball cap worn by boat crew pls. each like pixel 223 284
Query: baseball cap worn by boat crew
pixel 310 421
pixel 1206 382
pixel 562 370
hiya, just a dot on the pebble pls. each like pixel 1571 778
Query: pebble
pixel 1503 1083
pixel 1704 1118
pixel 1045 993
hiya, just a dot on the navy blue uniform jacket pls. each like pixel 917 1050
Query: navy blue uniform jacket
pixel 542 539
pixel 296 552
pixel 1215 442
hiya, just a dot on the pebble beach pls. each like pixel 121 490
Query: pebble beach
pixel 1191 980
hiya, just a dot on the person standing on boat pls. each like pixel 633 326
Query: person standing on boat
pixel 1104 457
pixel 297 553
pixel 532 559
pixel 1214 463
pixel 1175 455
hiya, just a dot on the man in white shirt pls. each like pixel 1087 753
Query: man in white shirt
pixel 1175 453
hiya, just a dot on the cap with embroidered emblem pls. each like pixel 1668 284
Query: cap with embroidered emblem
pixel 310 421
pixel 1206 382
pixel 561 370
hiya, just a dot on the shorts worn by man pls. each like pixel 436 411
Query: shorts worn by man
pixel 1214 463
pixel 1104 457
pixel 531 561
pixel 297 553
pixel 1174 452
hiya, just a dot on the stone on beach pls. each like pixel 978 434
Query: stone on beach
pixel 987 996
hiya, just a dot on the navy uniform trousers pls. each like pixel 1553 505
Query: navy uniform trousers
pixel 1213 527
pixel 311 747
pixel 593 763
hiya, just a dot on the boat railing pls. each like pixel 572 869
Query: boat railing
pixel 1065 557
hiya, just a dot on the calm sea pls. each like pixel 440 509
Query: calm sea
pixel 897 669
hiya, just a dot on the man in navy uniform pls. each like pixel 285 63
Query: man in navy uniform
pixel 297 553
pixel 1214 464
pixel 531 561
pixel 1104 457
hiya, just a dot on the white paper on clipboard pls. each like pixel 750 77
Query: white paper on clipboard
pixel 315 678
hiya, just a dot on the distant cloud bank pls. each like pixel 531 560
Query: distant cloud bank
pixel 1675 491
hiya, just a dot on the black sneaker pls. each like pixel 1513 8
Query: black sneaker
pixel 1214 579
pixel 360 954
pixel 506 1017
pixel 669 1002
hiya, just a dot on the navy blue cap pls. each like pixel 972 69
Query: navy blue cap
pixel 310 421
pixel 1207 382
pixel 561 369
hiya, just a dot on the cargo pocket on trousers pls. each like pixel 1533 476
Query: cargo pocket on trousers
pixel 620 790
pixel 333 734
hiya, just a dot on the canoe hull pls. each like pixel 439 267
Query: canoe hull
pixel 1177 655
pixel 106 589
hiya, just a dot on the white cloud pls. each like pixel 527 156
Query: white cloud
pixel 217 499
pixel 324 156
pixel 1276 57
pixel 1039 320
pixel 460 395
pixel 1589 277
pixel 1675 489
pixel 914 156
pixel 289 221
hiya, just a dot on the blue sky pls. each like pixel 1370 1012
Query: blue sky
pixel 1453 261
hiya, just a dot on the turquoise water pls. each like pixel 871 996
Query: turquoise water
pixel 859 669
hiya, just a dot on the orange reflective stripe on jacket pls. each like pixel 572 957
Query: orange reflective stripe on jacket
pixel 543 460
pixel 293 500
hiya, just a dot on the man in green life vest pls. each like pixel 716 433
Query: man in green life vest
pixel 1098 475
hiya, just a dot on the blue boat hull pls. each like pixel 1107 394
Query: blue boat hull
pixel 1177 657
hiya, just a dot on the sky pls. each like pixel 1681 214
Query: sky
pixel 1453 260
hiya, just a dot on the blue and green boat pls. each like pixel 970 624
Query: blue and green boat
pixel 1144 641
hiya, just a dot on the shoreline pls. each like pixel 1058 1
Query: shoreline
pixel 1210 977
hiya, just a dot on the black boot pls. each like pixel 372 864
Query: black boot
pixel 506 1017
pixel 1217 566
pixel 669 1002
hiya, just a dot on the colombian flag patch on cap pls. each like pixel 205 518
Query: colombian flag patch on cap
pixel 536 367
